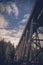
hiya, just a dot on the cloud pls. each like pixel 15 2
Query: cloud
pixel 26 15
pixel 15 9
pixel 3 22
pixel 41 37
pixel 24 22
pixel 25 19
pixel 10 35
pixel 2 8
pixel 9 8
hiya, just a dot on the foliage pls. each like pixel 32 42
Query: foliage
pixel 7 52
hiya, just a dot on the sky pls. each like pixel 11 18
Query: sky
pixel 14 15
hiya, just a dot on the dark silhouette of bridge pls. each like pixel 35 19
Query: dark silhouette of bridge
pixel 29 49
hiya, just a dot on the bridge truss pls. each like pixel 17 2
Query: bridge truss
pixel 30 47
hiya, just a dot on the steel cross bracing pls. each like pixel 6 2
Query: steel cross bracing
pixel 29 49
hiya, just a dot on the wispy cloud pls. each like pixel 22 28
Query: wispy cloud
pixel 15 9
pixel 25 19
pixel 9 8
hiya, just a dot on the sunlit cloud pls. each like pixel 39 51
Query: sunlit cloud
pixel 10 35
pixel 8 13
pixel 3 22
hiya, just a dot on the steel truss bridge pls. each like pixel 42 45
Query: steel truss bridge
pixel 30 50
